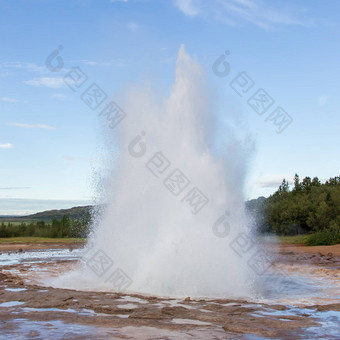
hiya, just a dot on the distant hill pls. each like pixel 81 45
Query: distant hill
pixel 49 215
pixel 252 206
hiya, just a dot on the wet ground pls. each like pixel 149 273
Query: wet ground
pixel 308 308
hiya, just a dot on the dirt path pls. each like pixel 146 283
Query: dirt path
pixel 301 248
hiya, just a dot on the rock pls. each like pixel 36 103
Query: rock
pixel 187 299
pixel 3 277
pixel 330 254
pixel 34 333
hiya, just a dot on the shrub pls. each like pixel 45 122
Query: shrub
pixel 325 237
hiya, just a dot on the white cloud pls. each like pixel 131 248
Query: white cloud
pixel 132 26
pixel 70 158
pixel 74 158
pixel 46 82
pixel 32 126
pixel 6 146
pixel 24 206
pixel 90 62
pixel 9 100
pixel 15 188
pixel 168 60
pixel 22 66
pixel 59 96
pixel 322 100
pixel 235 12
pixel 114 62
pixel 188 7
pixel 119 62
pixel 273 181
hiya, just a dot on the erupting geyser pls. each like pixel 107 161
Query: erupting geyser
pixel 171 186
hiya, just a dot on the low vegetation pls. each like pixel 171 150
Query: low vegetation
pixel 25 240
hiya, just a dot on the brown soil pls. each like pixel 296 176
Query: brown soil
pixel 31 246
pixel 302 248
pixel 284 247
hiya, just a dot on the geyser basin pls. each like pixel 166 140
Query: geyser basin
pixel 167 194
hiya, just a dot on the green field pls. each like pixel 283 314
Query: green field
pixel 40 240
pixel 296 239
pixel 15 223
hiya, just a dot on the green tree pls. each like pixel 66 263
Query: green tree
pixel 316 182
pixel 306 184
pixel 283 188
pixel 297 185
pixel 65 226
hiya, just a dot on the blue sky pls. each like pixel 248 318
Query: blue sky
pixel 50 141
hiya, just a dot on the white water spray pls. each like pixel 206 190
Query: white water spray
pixel 164 241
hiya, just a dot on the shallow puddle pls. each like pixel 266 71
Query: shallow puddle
pixel 11 304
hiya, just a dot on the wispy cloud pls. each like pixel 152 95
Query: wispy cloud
pixel 322 100
pixel 59 96
pixel 168 60
pixel 15 188
pixel 32 126
pixel 22 206
pixel 188 7
pixel 89 62
pixel 51 82
pixel 235 12
pixel 75 158
pixel 115 62
pixel 9 100
pixel 6 146
pixel 22 66
pixel 273 181
pixel 132 27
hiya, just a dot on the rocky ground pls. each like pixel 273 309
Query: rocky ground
pixel 30 311
pixel 31 246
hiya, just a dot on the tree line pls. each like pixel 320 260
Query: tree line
pixel 309 206
pixel 57 228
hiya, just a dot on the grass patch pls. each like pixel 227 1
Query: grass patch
pixel 40 240
pixel 295 239
pixel 322 238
